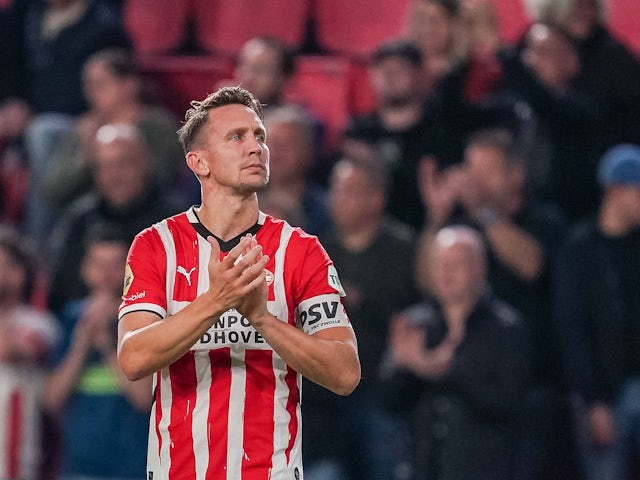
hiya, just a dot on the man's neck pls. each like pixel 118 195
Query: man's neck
pixel 358 239
pixel 228 216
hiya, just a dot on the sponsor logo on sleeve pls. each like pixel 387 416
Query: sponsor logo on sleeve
pixel 322 312
pixel 334 280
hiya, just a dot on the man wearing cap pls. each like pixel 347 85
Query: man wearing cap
pixel 597 307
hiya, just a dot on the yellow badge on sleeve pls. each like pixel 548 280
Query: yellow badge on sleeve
pixel 128 280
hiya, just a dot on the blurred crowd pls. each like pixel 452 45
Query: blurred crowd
pixel 483 214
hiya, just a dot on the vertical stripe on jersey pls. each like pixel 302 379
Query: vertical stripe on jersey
pixel 183 390
pixel 278 274
pixel 154 451
pixel 14 435
pixel 258 414
pixel 200 426
pixel 170 250
pixel 236 413
pixel 289 391
pixel 293 407
pixel 218 428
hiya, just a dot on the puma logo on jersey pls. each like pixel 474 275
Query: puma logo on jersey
pixel 186 274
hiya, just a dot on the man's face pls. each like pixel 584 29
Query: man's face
pixel 629 203
pixel 122 171
pixel 105 91
pixel 487 169
pixel 353 197
pixel 457 273
pixel 234 149
pixel 102 266
pixel 394 80
pixel 291 150
pixel 259 71
pixel 12 277
pixel 554 61
pixel 430 27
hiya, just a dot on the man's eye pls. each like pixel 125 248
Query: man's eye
pixel 235 137
pixel 261 137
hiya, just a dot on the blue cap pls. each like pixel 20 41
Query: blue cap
pixel 620 165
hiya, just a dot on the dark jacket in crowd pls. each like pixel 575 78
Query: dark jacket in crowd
pixel 54 66
pixel 466 421
pixel 609 74
pixel 597 308
pixel 68 239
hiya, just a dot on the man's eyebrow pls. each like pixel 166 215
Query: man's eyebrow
pixel 236 130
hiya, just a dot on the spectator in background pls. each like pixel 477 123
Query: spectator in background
pixel 14 164
pixel 264 66
pixel 291 189
pixel 402 128
pixel 126 195
pixel 597 308
pixel 26 336
pixel 609 69
pixel 435 27
pixel 456 38
pixel 375 256
pixel 540 72
pixel 103 416
pixel 59 37
pixel 459 362
pixel 488 192
pixel 114 89
pixel 12 68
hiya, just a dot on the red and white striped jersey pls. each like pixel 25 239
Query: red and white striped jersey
pixel 20 392
pixel 229 409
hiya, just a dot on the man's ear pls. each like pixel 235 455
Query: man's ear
pixel 197 163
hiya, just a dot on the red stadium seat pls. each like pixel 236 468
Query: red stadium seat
pixel 513 19
pixel 180 79
pixel 624 21
pixel 323 85
pixel 357 27
pixel 223 26
pixel 156 26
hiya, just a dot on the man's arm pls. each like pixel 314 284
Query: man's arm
pixel 146 344
pixel 328 357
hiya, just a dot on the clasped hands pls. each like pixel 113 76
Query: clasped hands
pixel 238 280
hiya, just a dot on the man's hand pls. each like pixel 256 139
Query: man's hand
pixel 601 425
pixel 238 280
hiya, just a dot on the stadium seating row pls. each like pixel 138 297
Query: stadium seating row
pixel 332 86
pixel 352 28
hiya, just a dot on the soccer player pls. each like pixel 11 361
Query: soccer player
pixel 227 307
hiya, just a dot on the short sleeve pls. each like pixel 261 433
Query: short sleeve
pixel 318 292
pixel 145 276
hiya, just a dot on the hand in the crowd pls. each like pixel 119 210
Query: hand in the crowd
pixel 86 128
pixel 437 189
pixel 97 328
pixel 601 425
pixel 408 350
pixel 14 118
pixel 238 281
